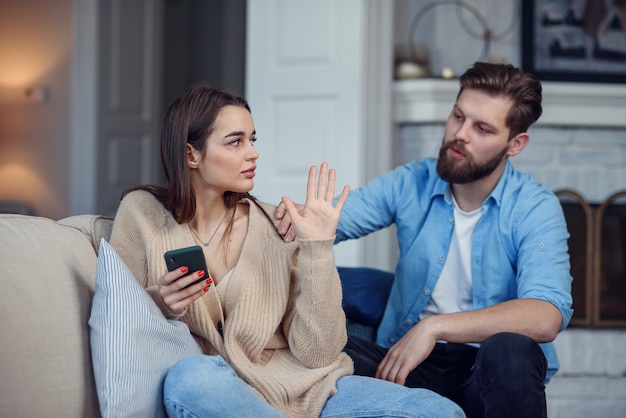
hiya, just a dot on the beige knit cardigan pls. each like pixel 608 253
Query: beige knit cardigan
pixel 285 328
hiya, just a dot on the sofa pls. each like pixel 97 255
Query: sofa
pixel 48 278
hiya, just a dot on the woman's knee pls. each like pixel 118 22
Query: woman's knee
pixel 196 373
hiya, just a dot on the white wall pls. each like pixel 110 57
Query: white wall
pixel 450 32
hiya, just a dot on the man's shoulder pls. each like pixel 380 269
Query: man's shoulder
pixel 523 185
pixel 522 192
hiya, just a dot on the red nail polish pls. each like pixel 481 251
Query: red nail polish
pixel 200 273
pixel 206 289
pixel 209 280
pixel 184 269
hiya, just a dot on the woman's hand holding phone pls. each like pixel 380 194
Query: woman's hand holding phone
pixel 187 278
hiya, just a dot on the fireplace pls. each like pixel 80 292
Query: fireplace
pixel 598 258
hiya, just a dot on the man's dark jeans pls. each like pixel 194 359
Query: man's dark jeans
pixel 503 378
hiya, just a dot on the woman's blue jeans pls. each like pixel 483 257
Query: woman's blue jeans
pixel 206 386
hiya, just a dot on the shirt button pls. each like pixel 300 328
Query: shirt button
pixel 392 340
pixel 427 292
pixel 409 321
pixel 441 257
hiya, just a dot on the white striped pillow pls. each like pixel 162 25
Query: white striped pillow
pixel 133 345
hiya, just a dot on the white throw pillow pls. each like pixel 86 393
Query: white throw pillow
pixel 133 345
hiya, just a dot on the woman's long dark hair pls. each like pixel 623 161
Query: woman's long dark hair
pixel 189 120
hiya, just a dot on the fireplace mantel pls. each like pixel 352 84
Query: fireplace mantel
pixel 597 105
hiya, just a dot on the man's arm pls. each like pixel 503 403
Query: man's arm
pixel 537 319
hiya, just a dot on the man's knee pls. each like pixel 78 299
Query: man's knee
pixel 509 355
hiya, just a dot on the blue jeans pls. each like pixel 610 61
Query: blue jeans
pixel 206 386
pixel 360 396
pixel 202 386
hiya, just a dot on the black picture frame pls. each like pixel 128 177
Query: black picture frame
pixel 556 45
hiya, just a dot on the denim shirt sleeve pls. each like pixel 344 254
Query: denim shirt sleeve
pixel 542 262
pixel 380 202
pixel 374 206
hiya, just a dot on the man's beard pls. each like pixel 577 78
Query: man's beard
pixel 466 170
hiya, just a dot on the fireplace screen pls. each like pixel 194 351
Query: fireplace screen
pixel 598 258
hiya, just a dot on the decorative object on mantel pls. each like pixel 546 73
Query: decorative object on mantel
pixel 447 73
pixel 416 64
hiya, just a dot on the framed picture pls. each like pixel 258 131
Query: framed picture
pixel 575 40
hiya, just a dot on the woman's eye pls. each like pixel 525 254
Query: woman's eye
pixel 253 140
pixel 235 142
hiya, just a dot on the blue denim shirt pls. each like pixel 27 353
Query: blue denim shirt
pixel 519 246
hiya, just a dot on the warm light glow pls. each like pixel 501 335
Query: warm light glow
pixel 28 52
pixel 20 183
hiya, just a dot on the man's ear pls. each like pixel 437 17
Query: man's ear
pixel 193 157
pixel 517 144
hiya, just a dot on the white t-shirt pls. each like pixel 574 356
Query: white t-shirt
pixel 453 292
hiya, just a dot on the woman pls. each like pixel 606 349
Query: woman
pixel 270 314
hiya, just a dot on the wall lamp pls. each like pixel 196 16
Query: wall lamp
pixel 34 95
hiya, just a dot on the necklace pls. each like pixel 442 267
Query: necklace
pixel 206 244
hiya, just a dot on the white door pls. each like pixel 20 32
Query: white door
pixel 307 83
pixel 303 83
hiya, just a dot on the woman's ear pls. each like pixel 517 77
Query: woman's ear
pixel 193 157
pixel 517 144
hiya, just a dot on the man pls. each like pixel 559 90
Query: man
pixel 483 274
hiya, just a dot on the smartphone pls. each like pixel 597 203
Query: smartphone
pixel 192 257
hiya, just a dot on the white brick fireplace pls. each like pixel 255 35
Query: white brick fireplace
pixel 579 143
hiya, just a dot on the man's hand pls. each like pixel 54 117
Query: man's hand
pixel 285 229
pixel 407 354
pixel 537 319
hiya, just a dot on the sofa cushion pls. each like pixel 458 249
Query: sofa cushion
pixel 95 227
pixel 47 274
pixel 133 345
pixel 365 293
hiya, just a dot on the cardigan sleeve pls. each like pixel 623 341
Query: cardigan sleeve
pixel 138 218
pixel 315 324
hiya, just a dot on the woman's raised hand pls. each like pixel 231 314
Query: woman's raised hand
pixel 318 219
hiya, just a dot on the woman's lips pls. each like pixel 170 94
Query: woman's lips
pixel 250 173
